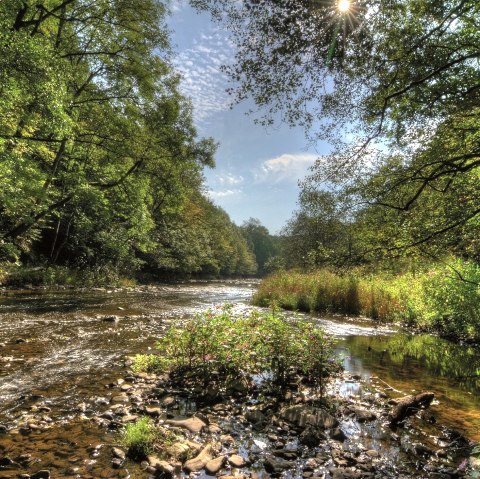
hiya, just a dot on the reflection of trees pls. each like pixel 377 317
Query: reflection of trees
pixel 424 355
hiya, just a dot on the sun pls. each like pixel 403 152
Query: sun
pixel 343 5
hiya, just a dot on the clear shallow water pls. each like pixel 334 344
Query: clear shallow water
pixel 55 344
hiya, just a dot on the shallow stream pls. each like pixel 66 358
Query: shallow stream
pixel 58 354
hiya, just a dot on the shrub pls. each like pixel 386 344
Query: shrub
pixel 220 342
pixel 444 298
pixel 139 437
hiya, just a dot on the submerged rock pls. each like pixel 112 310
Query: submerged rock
pixel 275 465
pixel 303 416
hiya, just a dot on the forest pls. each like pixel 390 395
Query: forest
pixel 100 164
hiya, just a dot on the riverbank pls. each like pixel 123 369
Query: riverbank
pixel 435 301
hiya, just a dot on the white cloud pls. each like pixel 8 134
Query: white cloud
pixel 230 179
pixel 216 195
pixel 286 167
pixel 202 79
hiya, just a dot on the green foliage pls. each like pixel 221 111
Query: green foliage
pixel 139 437
pixel 439 299
pixel 264 246
pixel 393 86
pixel 222 342
pixel 99 157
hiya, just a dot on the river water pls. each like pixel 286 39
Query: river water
pixel 57 351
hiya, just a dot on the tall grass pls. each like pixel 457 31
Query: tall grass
pixel 445 299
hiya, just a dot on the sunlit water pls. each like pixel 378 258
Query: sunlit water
pixel 56 345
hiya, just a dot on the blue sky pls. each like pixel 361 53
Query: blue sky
pixel 258 168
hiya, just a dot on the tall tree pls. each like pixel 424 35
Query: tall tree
pixel 392 84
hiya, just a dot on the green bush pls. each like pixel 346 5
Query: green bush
pixel 139 437
pixel 235 346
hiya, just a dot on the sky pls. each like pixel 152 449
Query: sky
pixel 257 168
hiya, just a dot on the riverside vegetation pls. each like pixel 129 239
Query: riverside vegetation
pixel 434 300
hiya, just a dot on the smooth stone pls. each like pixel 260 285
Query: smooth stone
pixel 121 398
pixel 42 474
pixel 198 463
pixel 153 411
pixel 193 424
pixel 117 463
pixel 119 453
pixel 160 465
pixel 213 466
pixel 303 416
pixel 275 465
pixel 236 461
pixel 214 429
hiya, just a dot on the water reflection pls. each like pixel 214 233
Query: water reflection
pixel 412 363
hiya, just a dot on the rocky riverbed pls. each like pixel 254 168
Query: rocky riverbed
pixel 66 394
pixel 244 432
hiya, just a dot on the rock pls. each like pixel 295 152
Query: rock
pixel 111 318
pixel 7 463
pixel 311 437
pixel 214 428
pixel 121 398
pixel 256 418
pixel 153 411
pixel 214 465
pixel 3 429
pixel 363 415
pixel 162 466
pixel 168 401
pixel 285 453
pixel 179 450
pixel 422 450
pixel 337 434
pixel 236 461
pixel 227 439
pixel 119 453
pixel 42 474
pixel 372 453
pixel 193 424
pixel 198 463
pixel 237 385
pixel 275 465
pixel 338 473
pixel 117 463
pixel 20 341
pixel 303 416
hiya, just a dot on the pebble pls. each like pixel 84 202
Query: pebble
pixel 42 474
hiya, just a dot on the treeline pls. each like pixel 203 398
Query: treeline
pixel 101 167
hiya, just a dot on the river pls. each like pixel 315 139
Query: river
pixel 57 352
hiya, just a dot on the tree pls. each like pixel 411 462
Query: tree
pixel 263 245
pixel 398 79
pixel 96 143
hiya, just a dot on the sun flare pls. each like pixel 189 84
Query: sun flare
pixel 343 6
